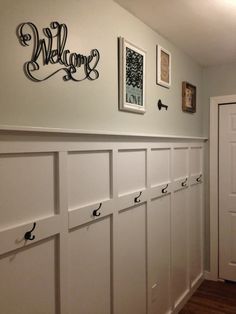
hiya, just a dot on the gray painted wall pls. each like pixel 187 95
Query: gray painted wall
pixel 217 81
pixel 91 105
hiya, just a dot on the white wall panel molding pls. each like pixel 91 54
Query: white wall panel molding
pixel 85 214
pixel 28 129
pixel 124 218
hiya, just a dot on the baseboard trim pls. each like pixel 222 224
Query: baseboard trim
pixel 188 296
pixel 210 276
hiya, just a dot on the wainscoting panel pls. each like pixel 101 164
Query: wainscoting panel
pixel 131 261
pixel 29 279
pixel 28 187
pixel 180 162
pixel 131 171
pixel 89 267
pixel 99 224
pixel 195 160
pixel 89 175
pixel 195 236
pixel 180 246
pixel 160 254
pixel 160 166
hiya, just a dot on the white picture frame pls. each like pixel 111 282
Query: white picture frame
pixel 163 63
pixel 132 71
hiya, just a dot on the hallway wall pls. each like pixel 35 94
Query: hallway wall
pixel 91 105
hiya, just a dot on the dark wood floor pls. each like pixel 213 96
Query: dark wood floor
pixel 214 298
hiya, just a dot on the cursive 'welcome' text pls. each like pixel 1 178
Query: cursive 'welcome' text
pixel 51 50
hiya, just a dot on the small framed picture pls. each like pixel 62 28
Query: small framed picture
pixel 131 77
pixel 188 97
pixel 163 67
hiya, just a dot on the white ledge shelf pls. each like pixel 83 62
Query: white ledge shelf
pixel 29 129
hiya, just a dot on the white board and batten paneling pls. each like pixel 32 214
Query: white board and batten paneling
pixel 119 223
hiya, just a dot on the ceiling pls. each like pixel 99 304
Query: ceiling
pixel 204 29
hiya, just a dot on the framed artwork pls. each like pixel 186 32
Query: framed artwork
pixel 188 97
pixel 131 77
pixel 163 67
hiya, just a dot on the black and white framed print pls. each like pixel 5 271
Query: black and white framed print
pixel 131 77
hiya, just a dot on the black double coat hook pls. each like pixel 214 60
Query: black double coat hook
pixel 28 235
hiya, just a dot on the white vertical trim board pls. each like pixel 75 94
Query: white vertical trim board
pixel 215 102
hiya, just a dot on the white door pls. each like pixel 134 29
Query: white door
pixel 227 192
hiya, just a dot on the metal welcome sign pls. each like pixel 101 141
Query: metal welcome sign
pixel 52 50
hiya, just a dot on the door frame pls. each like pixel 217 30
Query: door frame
pixel 215 103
